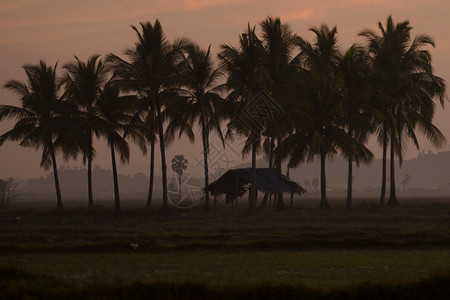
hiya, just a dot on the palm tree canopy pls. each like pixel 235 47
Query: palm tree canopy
pixel 42 115
pixel 405 83
pixel 116 113
pixel 200 96
pixel 83 83
pixel 179 164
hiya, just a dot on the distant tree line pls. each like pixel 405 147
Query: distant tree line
pixel 325 101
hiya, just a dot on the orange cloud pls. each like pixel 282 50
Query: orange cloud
pixel 201 4
pixel 302 15
pixel 47 12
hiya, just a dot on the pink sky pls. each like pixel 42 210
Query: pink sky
pixel 56 30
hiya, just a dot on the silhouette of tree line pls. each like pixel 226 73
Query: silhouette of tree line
pixel 329 101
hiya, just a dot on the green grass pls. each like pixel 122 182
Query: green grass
pixel 303 250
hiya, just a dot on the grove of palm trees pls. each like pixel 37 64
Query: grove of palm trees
pixel 329 101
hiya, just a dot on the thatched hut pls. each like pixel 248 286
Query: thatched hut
pixel 235 183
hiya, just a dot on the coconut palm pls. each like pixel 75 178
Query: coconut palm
pixel 116 111
pixel 41 117
pixel 318 116
pixel 154 68
pixel 150 134
pixel 407 86
pixel 354 70
pixel 179 165
pixel 281 64
pixel 83 83
pixel 203 100
pixel 246 77
pixel 318 129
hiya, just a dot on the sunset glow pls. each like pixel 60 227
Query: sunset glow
pixel 55 31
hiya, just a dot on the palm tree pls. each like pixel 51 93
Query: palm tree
pixel 179 164
pixel 407 86
pixel 357 116
pixel 154 68
pixel 41 117
pixel 318 129
pixel 318 116
pixel 116 114
pixel 246 77
pixel 83 83
pixel 279 44
pixel 203 100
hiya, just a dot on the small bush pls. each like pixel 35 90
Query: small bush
pixel 7 192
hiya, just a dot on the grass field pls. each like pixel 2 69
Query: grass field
pixel 301 250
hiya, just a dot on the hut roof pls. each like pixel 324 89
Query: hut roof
pixel 236 182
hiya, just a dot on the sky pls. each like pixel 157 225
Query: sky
pixel 57 30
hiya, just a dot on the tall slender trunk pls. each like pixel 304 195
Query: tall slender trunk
pixel 349 184
pixel 267 195
pixel 179 188
pixel 115 180
pixel 348 204
pixel 55 174
pixel 323 182
pixel 279 201
pixel 383 174
pixel 165 202
pixel 90 196
pixel 205 163
pixel 152 174
pixel 392 195
pixel 253 188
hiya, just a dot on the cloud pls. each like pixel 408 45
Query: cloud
pixel 47 12
pixel 302 15
pixel 202 4
pixel 28 20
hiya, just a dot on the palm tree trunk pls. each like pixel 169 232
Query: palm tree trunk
pixel 253 189
pixel 90 196
pixel 179 188
pixel 383 174
pixel 349 184
pixel 266 195
pixel 55 174
pixel 392 195
pixel 152 174
pixel 323 182
pixel 116 181
pixel 205 163
pixel 165 200
pixel 279 202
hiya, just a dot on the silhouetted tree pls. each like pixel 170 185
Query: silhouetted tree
pixel 281 65
pixel 179 164
pixel 405 181
pixel 246 77
pixel 318 122
pixel 203 101
pixel 406 85
pixel 115 111
pixel 41 118
pixel 354 70
pixel 83 83
pixel 7 191
pixel 154 69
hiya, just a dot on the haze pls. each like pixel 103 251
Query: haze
pixel 55 30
